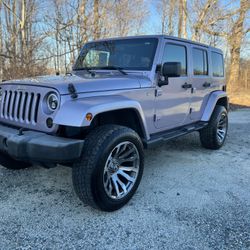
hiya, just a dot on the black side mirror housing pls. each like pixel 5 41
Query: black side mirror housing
pixel 170 69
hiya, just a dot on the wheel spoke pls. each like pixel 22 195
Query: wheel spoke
pixel 114 179
pixel 128 177
pixel 123 186
pixel 221 134
pixel 127 153
pixel 130 159
pixel 128 169
pixel 120 149
pixel 222 120
pixel 110 187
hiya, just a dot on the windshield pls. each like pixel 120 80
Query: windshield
pixel 128 54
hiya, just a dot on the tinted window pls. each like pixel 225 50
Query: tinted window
pixel 130 54
pixel 200 62
pixel 217 62
pixel 176 53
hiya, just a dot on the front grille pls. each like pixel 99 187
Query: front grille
pixel 20 106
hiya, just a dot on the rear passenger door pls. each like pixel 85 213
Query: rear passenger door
pixel 200 79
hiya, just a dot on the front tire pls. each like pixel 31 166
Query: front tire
pixel 214 134
pixel 110 169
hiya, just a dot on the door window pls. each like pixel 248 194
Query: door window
pixel 200 65
pixel 176 53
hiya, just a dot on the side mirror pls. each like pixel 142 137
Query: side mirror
pixel 170 69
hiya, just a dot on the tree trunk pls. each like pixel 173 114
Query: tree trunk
pixel 235 42
pixel 83 25
pixel 180 23
pixel 199 25
pixel 184 29
pixel 1 45
pixel 23 33
pixel 171 15
pixel 96 19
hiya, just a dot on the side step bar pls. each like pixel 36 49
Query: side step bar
pixel 173 133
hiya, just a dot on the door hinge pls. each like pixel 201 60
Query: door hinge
pixel 154 118
pixel 158 92
pixel 190 110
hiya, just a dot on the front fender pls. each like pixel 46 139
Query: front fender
pixel 73 112
pixel 213 99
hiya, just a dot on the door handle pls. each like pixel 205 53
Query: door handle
pixel 206 84
pixel 187 86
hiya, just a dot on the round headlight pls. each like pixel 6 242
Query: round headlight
pixel 52 101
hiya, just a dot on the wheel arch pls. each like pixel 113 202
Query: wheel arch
pixel 215 98
pixel 104 110
pixel 128 117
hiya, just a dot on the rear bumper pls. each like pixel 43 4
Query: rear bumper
pixel 35 146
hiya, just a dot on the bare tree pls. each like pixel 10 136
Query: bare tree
pixel 233 35
pixel 96 8
pixel 185 16
pixel 180 23
pixel 235 39
pixel 200 23
pixel 167 9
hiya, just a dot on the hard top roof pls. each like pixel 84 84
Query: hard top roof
pixel 163 37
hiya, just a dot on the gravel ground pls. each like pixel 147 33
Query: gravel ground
pixel 189 198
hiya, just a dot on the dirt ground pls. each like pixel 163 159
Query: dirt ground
pixel 241 98
pixel 189 198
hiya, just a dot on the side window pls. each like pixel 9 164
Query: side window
pixel 218 65
pixel 176 53
pixel 200 65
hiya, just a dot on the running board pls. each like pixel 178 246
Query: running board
pixel 173 133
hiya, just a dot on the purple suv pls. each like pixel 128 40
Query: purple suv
pixel 123 95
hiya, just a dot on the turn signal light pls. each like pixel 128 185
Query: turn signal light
pixel 89 117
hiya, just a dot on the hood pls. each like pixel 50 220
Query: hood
pixel 83 84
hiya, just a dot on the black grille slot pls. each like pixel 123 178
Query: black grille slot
pixel 4 103
pixel 14 104
pixel 37 107
pixel 19 104
pixel 30 106
pixel 24 105
pixel 9 100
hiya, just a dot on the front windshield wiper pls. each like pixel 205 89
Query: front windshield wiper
pixel 87 69
pixel 115 68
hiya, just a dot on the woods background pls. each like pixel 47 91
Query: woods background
pixel 45 36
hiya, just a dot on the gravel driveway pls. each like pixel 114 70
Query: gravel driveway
pixel 189 198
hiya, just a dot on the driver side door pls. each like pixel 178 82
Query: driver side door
pixel 173 100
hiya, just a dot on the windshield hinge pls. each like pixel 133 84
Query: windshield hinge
pixel 72 90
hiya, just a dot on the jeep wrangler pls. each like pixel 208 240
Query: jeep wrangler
pixel 123 95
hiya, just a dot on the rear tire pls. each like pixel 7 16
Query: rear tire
pixel 214 134
pixel 110 169
pixel 10 163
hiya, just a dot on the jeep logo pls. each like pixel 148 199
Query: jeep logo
pixel 20 88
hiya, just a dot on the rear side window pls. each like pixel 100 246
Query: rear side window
pixel 176 53
pixel 217 64
pixel 200 64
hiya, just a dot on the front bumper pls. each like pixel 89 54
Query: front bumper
pixel 33 146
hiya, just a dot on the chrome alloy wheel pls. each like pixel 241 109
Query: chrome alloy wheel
pixel 222 128
pixel 121 170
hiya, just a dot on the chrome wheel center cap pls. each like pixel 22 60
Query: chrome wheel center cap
pixel 113 166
